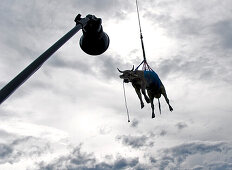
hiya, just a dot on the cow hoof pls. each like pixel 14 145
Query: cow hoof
pixel 153 116
pixel 148 101
pixel 142 105
pixel 170 108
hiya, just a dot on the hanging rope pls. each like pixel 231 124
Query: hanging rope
pixel 127 111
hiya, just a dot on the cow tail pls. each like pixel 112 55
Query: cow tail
pixel 159 105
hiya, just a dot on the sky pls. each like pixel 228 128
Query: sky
pixel 71 113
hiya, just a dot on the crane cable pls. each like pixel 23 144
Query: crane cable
pixel 140 29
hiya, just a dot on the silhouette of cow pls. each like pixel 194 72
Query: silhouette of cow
pixel 148 80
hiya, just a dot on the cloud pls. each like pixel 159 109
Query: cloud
pixel 6 153
pixel 105 130
pixel 21 148
pixel 121 163
pixel 188 18
pixel 3 133
pixel 163 133
pixel 107 65
pixel 181 125
pixel 104 66
pixel 78 159
pixel 180 28
pixel 78 65
pixel 194 68
pixel 23 144
pixel 135 142
pixel 223 33
pixel 180 156
pixel 4 114
pixel 134 123
pixel 219 165
pixel 204 153
pixel 116 9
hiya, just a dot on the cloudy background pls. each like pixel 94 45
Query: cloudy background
pixel 70 114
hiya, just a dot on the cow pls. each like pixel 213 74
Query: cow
pixel 145 80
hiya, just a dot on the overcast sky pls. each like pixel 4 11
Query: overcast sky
pixel 71 115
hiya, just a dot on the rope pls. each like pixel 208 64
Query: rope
pixel 140 29
pixel 127 111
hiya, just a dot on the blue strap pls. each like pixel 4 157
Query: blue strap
pixel 152 78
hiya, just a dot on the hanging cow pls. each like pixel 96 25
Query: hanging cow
pixel 148 80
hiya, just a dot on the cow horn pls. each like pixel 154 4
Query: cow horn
pixel 120 71
pixel 132 68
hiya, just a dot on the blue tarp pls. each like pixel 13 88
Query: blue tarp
pixel 152 79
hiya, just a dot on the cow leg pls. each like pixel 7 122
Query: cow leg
pixel 152 103
pixel 166 98
pixel 140 97
pixel 145 95
pixel 152 107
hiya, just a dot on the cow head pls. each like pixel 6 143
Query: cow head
pixel 128 75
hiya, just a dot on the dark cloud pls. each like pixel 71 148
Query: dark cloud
pixel 136 142
pixel 194 68
pixel 176 156
pixel 83 66
pixel 183 151
pixel 185 26
pixel 6 154
pixel 102 66
pixel 125 163
pixel 177 28
pixel 78 159
pixel 163 133
pixel 18 24
pixel 134 123
pixel 4 113
pixel 153 160
pixel 189 68
pixel 189 18
pixel 220 165
pixel 222 29
pixel 22 147
pixel 181 125
pixel 3 133
pixel 198 168
pixel 107 66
